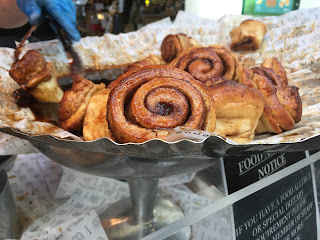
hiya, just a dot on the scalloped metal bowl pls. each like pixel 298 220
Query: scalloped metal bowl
pixel 120 166
pixel 151 159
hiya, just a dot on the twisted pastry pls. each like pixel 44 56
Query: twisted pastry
pixel 277 110
pixel 277 68
pixel 150 60
pixel 246 78
pixel 205 63
pixel 290 99
pixel 283 105
pixel 266 122
pixel 74 103
pixel 174 44
pixel 144 104
pixel 267 72
pixel 37 77
pixel 288 96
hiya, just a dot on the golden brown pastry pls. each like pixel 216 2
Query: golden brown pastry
pixel 228 60
pixel 283 105
pixel 74 103
pixel 277 110
pixel 267 124
pixel 37 77
pixel 290 99
pixel 95 123
pixel 267 72
pixel 205 63
pixel 248 36
pixel 174 44
pixel 238 109
pixel 275 65
pixel 246 78
pixel 150 60
pixel 146 103
pixel 288 96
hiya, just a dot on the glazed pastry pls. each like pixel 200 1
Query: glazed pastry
pixel 74 103
pixel 278 112
pixel 174 44
pixel 246 78
pixel 37 77
pixel 205 63
pixel 266 122
pixel 238 110
pixel 147 103
pixel 276 66
pixel 201 63
pixel 283 105
pixel 267 72
pixel 150 60
pixel 290 99
pixel 247 36
pixel 288 96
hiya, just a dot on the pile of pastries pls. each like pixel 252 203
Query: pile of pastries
pixel 189 85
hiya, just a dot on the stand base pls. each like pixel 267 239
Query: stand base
pixel 119 224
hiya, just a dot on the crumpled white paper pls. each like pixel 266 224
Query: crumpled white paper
pixel 10 145
pixel 60 203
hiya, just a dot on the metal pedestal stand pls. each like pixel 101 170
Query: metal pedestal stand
pixel 142 213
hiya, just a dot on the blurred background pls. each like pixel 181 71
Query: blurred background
pixel 97 17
